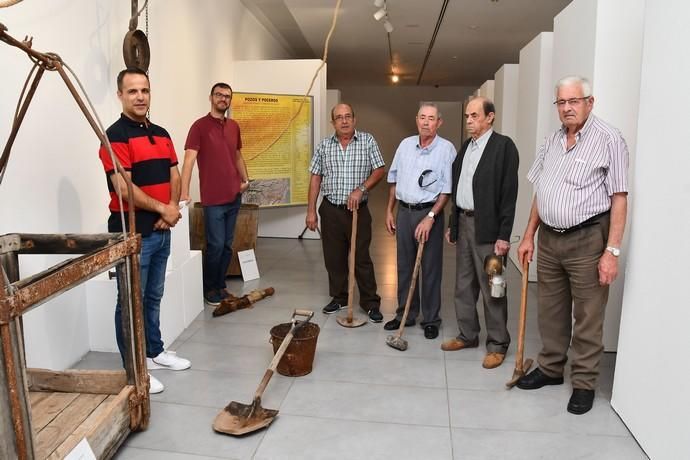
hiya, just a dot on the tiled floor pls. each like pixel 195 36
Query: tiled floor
pixel 363 400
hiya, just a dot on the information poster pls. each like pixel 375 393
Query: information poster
pixel 277 144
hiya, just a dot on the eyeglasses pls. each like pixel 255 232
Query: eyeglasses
pixel 427 178
pixel 571 101
pixel 341 118
pixel 222 96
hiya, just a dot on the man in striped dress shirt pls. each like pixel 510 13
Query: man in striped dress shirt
pixel 345 167
pixel 580 207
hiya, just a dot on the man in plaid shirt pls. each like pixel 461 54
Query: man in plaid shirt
pixel 345 166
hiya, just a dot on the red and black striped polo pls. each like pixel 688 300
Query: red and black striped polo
pixel 146 151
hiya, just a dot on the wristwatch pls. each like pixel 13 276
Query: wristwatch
pixel 363 188
pixel 431 215
pixel 616 252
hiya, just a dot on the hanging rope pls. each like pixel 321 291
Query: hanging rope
pixel 6 3
pixel 311 85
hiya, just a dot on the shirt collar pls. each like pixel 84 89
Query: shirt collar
pixel 131 122
pixel 429 147
pixel 334 137
pixel 483 139
pixel 585 127
pixel 217 120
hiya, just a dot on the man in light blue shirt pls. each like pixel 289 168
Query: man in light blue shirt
pixel 421 180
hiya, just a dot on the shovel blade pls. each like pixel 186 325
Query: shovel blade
pixel 396 342
pixel 518 373
pixel 238 419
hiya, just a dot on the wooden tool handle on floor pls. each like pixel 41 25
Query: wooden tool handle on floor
pixel 351 267
pixel 413 284
pixel 523 316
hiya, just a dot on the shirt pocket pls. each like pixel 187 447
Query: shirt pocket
pixel 579 173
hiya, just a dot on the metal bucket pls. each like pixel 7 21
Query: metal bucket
pixel 299 355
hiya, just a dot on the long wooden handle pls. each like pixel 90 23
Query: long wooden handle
pixel 351 264
pixel 413 284
pixel 523 317
pixel 274 363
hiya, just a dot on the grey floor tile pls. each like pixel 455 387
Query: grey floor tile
pixel 133 453
pixel 383 370
pixel 368 402
pixel 306 438
pixel 216 389
pixel 187 430
pixel 520 445
pixel 227 358
pixel 536 410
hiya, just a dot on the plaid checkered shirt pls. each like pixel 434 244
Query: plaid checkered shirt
pixel 343 170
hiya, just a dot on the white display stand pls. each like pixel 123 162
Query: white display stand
pixel 487 89
pixel 506 100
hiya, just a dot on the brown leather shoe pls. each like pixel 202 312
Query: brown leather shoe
pixel 493 360
pixel 457 344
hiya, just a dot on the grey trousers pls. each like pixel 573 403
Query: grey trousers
pixel 470 279
pixel 428 295
pixel 568 282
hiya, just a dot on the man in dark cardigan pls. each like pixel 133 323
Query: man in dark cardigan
pixel 485 185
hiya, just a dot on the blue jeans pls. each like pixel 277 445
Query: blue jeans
pixel 155 250
pixel 219 222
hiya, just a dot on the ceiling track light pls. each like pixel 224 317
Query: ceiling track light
pixel 388 26
pixel 379 3
pixel 380 14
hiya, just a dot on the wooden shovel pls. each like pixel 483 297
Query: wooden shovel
pixel 520 367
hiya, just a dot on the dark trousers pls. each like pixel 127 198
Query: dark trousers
pixel 470 280
pixel 336 232
pixel 219 223
pixel 153 259
pixel 427 293
pixel 568 282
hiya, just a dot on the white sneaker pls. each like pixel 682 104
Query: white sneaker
pixel 168 360
pixel 155 385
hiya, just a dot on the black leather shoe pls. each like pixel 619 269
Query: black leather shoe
pixel 581 401
pixel 394 324
pixel 537 379
pixel 431 331
pixel 332 307
pixel 375 315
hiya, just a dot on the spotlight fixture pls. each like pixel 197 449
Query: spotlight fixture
pixel 388 26
pixel 380 14
pixel 395 78
pixel 379 3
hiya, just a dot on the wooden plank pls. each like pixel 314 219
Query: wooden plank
pixel 77 381
pixel 65 423
pixel 43 412
pixel 104 429
pixel 36 396
pixel 65 243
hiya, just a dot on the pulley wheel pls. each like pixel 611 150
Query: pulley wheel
pixel 136 50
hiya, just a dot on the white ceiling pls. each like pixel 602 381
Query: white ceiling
pixel 475 38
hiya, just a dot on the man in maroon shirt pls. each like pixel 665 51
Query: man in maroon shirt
pixel 214 141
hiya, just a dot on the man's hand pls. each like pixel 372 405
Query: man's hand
pixel 161 225
pixel 312 220
pixel 608 268
pixel 171 214
pixel 390 223
pixel 501 247
pixel 525 250
pixel 448 237
pixel 354 199
pixel 421 233
pixel 244 186
pixel 184 196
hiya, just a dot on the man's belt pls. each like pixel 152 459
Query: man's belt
pixel 418 206
pixel 587 223
pixel 342 206
pixel 466 212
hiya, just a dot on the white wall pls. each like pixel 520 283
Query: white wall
pixel 506 99
pixel 55 182
pixel 487 89
pixel 602 40
pixel 534 119
pixel 295 76
pixel 650 390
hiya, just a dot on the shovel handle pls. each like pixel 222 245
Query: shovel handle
pixel 351 265
pixel 413 283
pixel 523 317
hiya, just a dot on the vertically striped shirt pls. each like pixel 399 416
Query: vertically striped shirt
pixel 433 165
pixel 575 184
pixel 343 170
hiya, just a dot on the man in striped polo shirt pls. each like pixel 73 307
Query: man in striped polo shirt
pixel 580 207
pixel 147 154
pixel 345 167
